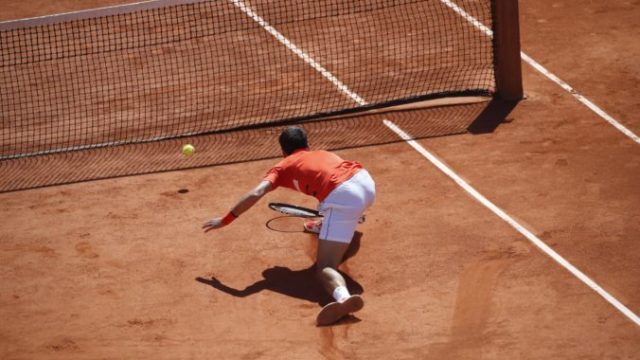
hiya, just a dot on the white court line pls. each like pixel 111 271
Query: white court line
pixel 581 98
pixel 475 22
pixel 551 76
pixel 403 135
pixel 296 50
pixel 521 229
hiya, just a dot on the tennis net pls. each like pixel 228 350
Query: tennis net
pixel 169 69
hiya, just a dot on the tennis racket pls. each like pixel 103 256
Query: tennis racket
pixel 299 211
pixel 293 210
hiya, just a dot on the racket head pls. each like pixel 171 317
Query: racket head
pixel 285 224
pixel 293 210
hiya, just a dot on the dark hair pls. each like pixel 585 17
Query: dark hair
pixel 293 138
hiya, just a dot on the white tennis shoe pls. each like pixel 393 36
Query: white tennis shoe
pixel 335 311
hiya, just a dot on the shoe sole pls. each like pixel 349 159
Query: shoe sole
pixel 335 311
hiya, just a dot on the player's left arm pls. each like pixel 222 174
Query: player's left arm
pixel 244 204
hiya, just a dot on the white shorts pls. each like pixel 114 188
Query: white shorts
pixel 345 205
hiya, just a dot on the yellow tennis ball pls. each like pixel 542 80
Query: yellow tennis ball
pixel 188 150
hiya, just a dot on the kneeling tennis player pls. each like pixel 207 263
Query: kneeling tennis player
pixel 343 188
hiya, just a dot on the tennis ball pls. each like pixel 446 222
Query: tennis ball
pixel 188 150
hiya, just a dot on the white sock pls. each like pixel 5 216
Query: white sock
pixel 341 294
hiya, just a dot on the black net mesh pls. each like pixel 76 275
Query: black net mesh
pixel 223 72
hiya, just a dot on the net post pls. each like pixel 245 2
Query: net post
pixel 506 40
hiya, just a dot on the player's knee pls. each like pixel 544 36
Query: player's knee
pixel 324 271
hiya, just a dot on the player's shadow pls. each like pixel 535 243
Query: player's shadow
pixel 301 284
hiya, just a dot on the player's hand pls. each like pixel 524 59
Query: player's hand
pixel 213 224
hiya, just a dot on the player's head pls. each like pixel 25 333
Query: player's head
pixel 293 138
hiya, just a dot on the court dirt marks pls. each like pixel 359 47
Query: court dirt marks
pixel 107 269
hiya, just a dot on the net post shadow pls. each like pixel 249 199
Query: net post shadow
pixel 494 114
pixel 507 67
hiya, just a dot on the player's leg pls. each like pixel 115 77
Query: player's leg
pixel 342 210
pixel 336 234
pixel 330 254
pixel 334 240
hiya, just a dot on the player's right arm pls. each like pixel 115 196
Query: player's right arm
pixel 244 204
pixel 252 197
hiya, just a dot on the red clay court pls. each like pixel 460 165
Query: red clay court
pixel 517 239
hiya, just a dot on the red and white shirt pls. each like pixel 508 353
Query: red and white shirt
pixel 314 173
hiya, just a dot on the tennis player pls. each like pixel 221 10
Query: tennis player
pixel 343 188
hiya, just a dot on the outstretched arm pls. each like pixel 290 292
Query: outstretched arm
pixel 244 204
